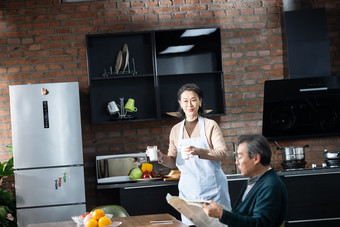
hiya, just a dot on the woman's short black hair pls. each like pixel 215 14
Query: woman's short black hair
pixel 257 144
pixel 198 91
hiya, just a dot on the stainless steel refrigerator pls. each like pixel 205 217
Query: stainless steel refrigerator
pixel 47 151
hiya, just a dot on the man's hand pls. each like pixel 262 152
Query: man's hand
pixel 213 209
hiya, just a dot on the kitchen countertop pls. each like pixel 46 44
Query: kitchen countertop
pixel 133 184
pixel 231 177
pixel 308 171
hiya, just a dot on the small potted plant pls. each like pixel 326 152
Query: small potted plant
pixel 7 199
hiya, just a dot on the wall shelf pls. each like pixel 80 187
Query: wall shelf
pixel 158 64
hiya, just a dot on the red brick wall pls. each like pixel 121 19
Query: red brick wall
pixel 44 41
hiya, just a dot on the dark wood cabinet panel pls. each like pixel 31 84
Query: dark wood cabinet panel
pixel 319 223
pixel 152 199
pixel 188 51
pixel 148 200
pixel 159 63
pixel 313 200
pixel 235 187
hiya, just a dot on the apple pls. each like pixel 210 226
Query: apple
pixel 84 215
pixel 87 217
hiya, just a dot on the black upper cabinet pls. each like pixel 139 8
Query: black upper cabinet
pixel 188 51
pixel 102 55
pixel 150 67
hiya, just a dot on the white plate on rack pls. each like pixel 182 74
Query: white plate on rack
pixel 119 61
pixel 125 57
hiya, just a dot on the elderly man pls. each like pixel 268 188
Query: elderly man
pixel 263 199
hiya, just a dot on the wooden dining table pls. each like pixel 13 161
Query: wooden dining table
pixel 152 220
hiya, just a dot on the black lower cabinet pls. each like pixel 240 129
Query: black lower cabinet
pixel 320 223
pixel 148 200
pixel 313 200
pixel 235 188
pixel 152 199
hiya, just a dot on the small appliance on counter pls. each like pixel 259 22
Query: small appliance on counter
pixel 292 157
pixel 332 158
pixel 116 168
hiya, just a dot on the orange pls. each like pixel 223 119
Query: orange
pixel 91 223
pixel 104 221
pixel 98 213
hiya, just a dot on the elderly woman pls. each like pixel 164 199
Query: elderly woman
pixel 201 141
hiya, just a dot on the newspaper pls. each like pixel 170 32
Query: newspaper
pixel 192 209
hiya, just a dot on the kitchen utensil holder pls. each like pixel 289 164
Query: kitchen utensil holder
pixel 123 112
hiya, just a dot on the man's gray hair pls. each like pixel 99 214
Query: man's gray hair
pixel 257 144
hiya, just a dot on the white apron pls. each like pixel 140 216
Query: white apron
pixel 200 178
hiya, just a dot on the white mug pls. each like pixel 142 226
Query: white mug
pixel 152 153
pixel 184 155
pixel 112 107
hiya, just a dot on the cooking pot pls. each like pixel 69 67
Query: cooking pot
pixel 292 153
pixel 332 155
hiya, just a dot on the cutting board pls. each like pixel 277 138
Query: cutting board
pixel 174 114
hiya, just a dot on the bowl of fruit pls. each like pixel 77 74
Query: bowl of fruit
pixel 145 173
pixel 78 219
pixel 96 218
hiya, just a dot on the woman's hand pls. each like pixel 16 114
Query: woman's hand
pixel 147 151
pixel 213 209
pixel 160 155
pixel 191 151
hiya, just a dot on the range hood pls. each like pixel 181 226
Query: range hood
pixel 307 43
pixel 300 108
